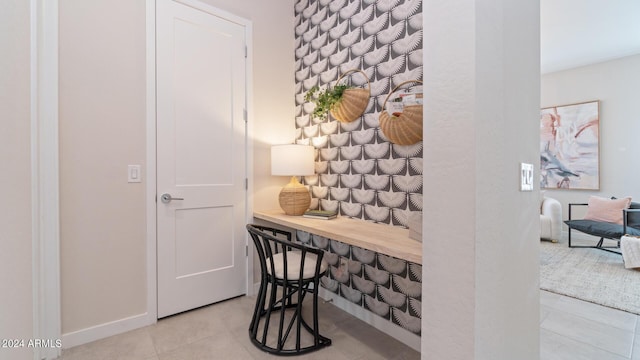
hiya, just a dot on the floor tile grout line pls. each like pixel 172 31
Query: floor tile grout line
pixel 635 338
pixel 633 333
pixel 564 311
pixel 588 344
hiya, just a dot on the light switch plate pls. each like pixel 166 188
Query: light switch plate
pixel 133 174
pixel 526 177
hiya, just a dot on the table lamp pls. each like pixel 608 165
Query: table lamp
pixel 293 160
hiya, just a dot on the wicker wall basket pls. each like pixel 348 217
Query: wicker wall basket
pixel 353 102
pixel 405 129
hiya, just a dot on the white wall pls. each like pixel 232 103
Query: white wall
pixel 616 84
pixel 102 130
pixel 480 278
pixel 16 318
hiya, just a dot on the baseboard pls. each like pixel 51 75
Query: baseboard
pixel 406 337
pixel 102 331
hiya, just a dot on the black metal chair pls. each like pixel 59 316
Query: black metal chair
pixel 605 230
pixel 288 272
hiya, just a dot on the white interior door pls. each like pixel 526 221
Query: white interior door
pixel 201 152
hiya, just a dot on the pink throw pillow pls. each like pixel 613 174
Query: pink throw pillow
pixel 609 210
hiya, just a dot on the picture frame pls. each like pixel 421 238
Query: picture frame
pixel 570 146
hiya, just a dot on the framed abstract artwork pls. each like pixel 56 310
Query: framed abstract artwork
pixel 569 146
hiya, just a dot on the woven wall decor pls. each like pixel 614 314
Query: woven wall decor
pixel 353 102
pixel 404 128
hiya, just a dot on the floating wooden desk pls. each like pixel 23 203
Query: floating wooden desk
pixel 385 239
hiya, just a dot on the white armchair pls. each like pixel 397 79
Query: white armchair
pixel 550 219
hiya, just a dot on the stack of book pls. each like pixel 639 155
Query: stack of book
pixel 320 214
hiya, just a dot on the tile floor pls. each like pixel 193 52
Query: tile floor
pixel 573 329
pixel 220 331
pixel 569 329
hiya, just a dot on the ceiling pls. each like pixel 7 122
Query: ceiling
pixel 575 33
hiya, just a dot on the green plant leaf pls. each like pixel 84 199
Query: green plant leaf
pixel 324 100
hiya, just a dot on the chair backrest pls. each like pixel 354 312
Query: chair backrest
pixel 633 215
pixel 283 259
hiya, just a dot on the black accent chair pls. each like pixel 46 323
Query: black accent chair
pixel 289 271
pixel 605 230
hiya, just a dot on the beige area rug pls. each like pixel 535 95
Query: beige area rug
pixel 589 274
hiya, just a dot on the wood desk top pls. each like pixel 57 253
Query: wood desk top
pixel 385 239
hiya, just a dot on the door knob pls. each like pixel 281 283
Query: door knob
pixel 166 198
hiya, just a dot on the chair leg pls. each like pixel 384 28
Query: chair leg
pixel 267 313
pixel 570 237
pixel 298 316
pixel 259 308
pixel 600 245
pixel 319 340
pixel 316 334
pixel 282 305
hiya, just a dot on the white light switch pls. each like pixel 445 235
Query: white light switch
pixel 526 177
pixel 133 174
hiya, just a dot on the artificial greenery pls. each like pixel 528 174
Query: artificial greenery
pixel 324 100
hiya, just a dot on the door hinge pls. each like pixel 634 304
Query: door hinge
pixel 246 250
pixel 246 183
pixel 246 52
pixel 244 115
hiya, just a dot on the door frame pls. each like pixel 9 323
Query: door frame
pixel 151 158
pixel 45 204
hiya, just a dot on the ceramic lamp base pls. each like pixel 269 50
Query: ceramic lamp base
pixel 294 198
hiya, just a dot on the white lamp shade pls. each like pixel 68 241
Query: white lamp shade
pixel 292 160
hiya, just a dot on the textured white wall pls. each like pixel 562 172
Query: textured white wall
pixel 480 287
pixel 16 318
pixel 448 289
pixel 616 84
